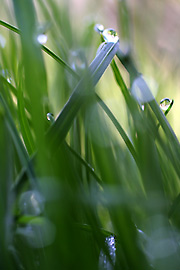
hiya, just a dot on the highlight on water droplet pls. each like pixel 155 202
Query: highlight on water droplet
pixel 42 38
pixel 50 117
pixel 110 35
pixel 165 103
pixel 5 73
pixel 104 262
pixel 99 28
pixel 31 203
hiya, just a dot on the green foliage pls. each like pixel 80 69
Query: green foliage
pixel 69 184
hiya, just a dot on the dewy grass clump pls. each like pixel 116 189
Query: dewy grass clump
pixel 80 186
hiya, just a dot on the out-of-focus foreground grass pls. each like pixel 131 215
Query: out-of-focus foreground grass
pixel 89 174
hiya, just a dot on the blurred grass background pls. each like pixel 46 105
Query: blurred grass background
pixel 59 204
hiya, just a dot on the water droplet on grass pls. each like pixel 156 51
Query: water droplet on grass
pixel 31 203
pixel 50 117
pixel 110 35
pixel 38 233
pixel 104 262
pixel 42 38
pixel 99 28
pixel 165 103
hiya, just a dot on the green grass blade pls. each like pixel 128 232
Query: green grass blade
pixel 24 125
pixel 6 196
pixel 84 163
pixel 23 156
pixel 119 128
pixel 15 92
pixel 10 27
pixel 132 105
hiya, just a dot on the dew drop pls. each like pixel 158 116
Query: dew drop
pixel 6 75
pixel 38 233
pixel 42 38
pixel 99 28
pixel 110 35
pixel 31 203
pixel 104 262
pixel 141 91
pixel 165 103
pixel 50 117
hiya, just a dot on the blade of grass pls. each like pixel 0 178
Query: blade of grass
pixel 133 107
pixel 84 162
pixel 15 92
pixel 119 128
pixel 23 156
pixel 24 125
pixel 6 196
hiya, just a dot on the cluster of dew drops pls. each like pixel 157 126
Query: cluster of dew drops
pixel 109 34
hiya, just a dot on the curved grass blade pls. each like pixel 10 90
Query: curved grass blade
pixel 88 228
pixel 96 69
pixel 164 124
pixel 119 128
pixel 84 162
pixel 127 96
